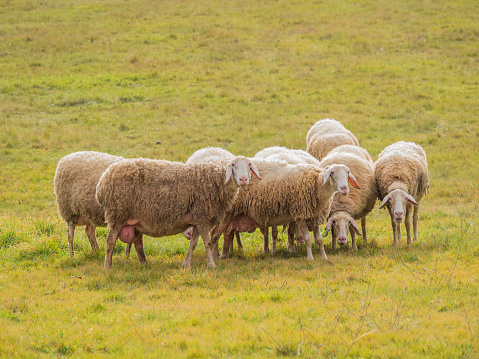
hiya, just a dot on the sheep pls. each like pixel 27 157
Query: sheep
pixel 346 209
pixel 221 157
pixel 291 156
pixel 327 134
pixel 160 198
pixel 76 178
pixel 403 180
pixel 288 193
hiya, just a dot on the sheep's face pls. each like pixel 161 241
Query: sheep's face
pixel 302 232
pixel 240 169
pixel 396 202
pixel 188 233
pixel 339 176
pixel 340 223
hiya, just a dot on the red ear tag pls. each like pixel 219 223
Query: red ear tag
pixel 353 183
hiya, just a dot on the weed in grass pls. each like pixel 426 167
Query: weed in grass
pixel 9 238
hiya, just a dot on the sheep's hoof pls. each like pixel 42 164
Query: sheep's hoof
pixel 211 265
pixel 186 265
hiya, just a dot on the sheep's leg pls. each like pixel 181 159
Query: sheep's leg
pixel 238 241
pixel 395 234
pixel 140 253
pixel 290 244
pixel 334 235
pixel 309 244
pixel 319 240
pixel 193 242
pixel 274 234
pixel 71 234
pixel 265 232
pixel 363 230
pixel 90 231
pixel 205 234
pixel 231 244
pixel 415 218
pixel 395 228
pixel 127 250
pixel 227 241
pixel 407 222
pixel 215 235
pixel 353 239
pixel 110 245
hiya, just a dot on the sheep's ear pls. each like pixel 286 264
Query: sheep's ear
pixel 411 200
pixel 328 226
pixel 327 175
pixel 255 171
pixel 354 226
pixel 385 201
pixel 229 172
pixel 352 181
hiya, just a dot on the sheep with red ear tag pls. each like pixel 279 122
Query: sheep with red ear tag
pixel 346 210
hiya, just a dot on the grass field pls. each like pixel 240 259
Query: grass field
pixel 161 79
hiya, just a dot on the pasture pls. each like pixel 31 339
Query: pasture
pixel 161 79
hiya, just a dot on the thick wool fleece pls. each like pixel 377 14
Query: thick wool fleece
pixel 402 165
pixel 359 202
pixel 166 197
pixel 326 135
pixel 76 178
pixel 292 156
pixel 295 191
pixel 212 155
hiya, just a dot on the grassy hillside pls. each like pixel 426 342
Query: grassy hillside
pixel 161 79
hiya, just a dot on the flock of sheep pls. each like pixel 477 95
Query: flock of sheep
pixel 334 182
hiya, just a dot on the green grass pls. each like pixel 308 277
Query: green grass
pixel 118 77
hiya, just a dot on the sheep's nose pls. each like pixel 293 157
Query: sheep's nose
pixel 398 216
pixel 344 189
pixel 342 240
pixel 243 180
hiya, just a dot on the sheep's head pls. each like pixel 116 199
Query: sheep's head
pixel 339 223
pixel 240 169
pixel 339 176
pixel 396 202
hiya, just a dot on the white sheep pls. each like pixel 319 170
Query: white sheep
pixel 326 135
pixel 160 198
pixel 291 156
pixel 346 209
pixel 298 193
pixel 403 180
pixel 76 178
pixel 222 157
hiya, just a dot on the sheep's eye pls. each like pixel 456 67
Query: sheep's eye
pixel 332 172
pixel 232 165
pixel 249 164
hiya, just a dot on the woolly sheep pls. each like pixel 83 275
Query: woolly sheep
pixel 326 135
pixel 287 193
pixel 76 178
pixel 403 180
pixel 346 209
pixel 222 157
pixel 159 198
pixel 291 156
